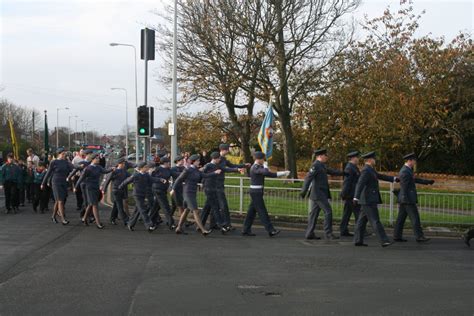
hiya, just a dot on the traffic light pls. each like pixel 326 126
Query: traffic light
pixel 143 121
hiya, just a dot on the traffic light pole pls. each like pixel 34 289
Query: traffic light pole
pixel 146 142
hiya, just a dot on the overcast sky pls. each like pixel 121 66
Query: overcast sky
pixel 56 53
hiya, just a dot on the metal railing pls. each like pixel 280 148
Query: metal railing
pixel 283 200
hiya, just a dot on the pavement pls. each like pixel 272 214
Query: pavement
pixel 50 269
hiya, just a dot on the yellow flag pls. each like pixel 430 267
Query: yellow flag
pixel 13 137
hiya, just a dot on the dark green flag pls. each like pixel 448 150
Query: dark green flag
pixel 46 134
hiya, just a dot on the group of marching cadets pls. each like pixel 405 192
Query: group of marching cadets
pixel 361 195
pixel 153 181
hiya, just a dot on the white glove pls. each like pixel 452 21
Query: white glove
pixel 265 165
pixel 283 173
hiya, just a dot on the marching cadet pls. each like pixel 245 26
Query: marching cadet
pixel 160 191
pixel 212 202
pixel 320 194
pixel 58 171
pixel 347 193
pixel 367 194
pixel 9 178
pixel 407 201
pixel 75 175
pixel 91 177
pixel 220 189
pixel 257 204
pixel 142 181
pixel 191 176
pixel 40 197
pixel 117 177
pixel 177 200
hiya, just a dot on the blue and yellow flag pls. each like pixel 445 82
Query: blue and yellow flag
pixel 265 136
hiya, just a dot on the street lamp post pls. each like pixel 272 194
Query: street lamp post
pixel 126 118
pixel 57 124
pixel 136 93
pixel 174 136
pixel 75 131
pixel 69 131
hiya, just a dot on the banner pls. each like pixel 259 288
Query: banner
pixel 16 151
pixel 265 136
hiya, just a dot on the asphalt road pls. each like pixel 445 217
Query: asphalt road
pixel 49 269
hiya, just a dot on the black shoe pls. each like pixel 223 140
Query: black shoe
pixel 172 227
pixel 347 234
pixel 130 228
pixel 331 237
pixel 35 209
pixel 100 226
pixel 423 239
pixel 466 240
pixel 54 220
pixel 249 234
pixel 113 222
pixel 84 222
pixel 159 221
pixel 313 237
pixel 230 228
pixel 22 204
pixel 65 222
pixel 400 240
pixel 273 233
pixel 224 230
pixel 360 244
pixel 387 243
pixel 151 229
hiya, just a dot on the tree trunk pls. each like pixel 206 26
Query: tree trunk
pixel 245 142
pixel 289 144
pixel 283 103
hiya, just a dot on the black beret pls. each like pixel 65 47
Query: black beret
pixel 353 154
pixel 194 157
pixel 224 147
pixel 410 156
pixel 60 150
pixel 151 164
pixel 141 164
pixel 161 153
pixel 215 155
pixel 321 151
pixel 259 155
pixel 370 154
pixel 121 160
pixel 178 159
pixel 164 160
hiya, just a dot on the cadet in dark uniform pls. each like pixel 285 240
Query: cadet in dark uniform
pixel 407 201
pixel 160 191
pixel 367 194
pixel 91 177
pixel 9 177
pixel 142 181
pixel 257 205
pixel 347 193
pixel 58 172
pixel 210 188
pixel 40 197
pixel 320 194
pixel 220 189
pixel 191 176
pixel 177 200
pixel 117 177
